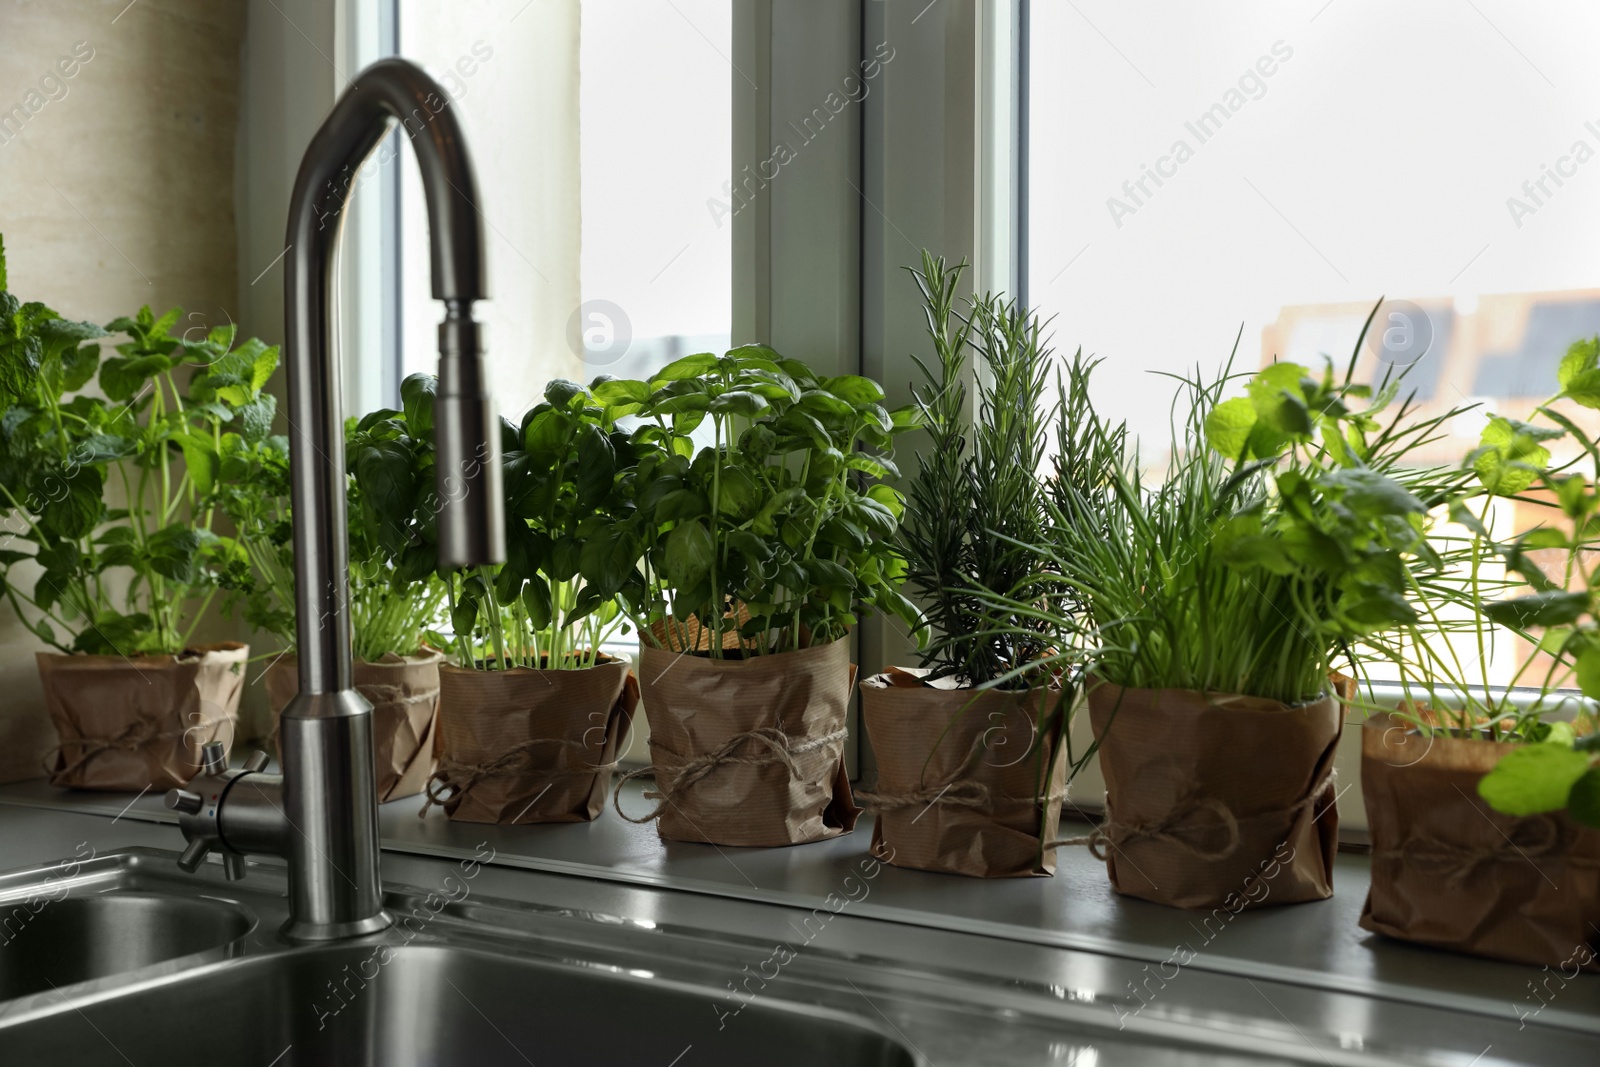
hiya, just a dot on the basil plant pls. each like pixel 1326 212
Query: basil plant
pixel 757 505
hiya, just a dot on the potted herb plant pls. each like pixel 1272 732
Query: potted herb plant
pixel 395 596
pixel 1483 805
pixel 758 546
pixel 970 744
pixel 534 714
pixel 1286 528
pixel 118 591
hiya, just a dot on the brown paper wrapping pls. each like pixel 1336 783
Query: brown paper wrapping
pixel 749 751
pixel 136 724
pixel 1451 872
pixel 530 746
pixel 404 694
pixel 962 786
pixel 1214 799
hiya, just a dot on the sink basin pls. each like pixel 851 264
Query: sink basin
pixel 46 943
pixel 432 1004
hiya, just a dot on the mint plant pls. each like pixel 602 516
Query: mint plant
pixel 134 578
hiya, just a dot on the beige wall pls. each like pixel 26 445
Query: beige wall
pixel 116 190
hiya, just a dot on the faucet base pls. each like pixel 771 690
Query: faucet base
pixel 302 932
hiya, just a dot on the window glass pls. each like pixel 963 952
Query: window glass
pixel 1195 168
pixel 600 131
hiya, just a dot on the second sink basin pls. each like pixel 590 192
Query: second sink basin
pixel 47 943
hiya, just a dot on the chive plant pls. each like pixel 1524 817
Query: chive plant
pixel 1290 526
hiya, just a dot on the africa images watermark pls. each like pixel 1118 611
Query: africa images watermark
pixel 1538 191
pixel 13 922
pixel 783 953
pixel 1212 925
pixel 354 977
pixel 1582 956
pixel 741 193
pixel 1252 85
pixel 53 86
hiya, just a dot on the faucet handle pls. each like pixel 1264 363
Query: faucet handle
pixel 185 801
pixel 194 855
pixel 214 758
pixel 257 761
pixel 233 866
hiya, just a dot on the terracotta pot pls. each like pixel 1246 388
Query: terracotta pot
pixel 404 694
pixel 748 751
pixel 1216 800
pixel 136 724
pixel 968 780
pixel 530 746
pixel 1451 872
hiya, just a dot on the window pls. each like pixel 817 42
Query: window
pixel 1193 168
pixel 599 133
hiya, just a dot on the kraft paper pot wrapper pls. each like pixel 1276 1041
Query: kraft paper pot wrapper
pixel 404 694
pixel 969 781
pixel 748 751
pixel 130 724
pixel 1451 872
pixel 1216 800
pixel 530 746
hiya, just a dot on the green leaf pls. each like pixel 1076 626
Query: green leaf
pixel 1583 802
pixel 610 558
pixel 172 552
pixel 1587 669
pixel 417 395
pixel 738 495
pixel 618 391
pixel 855 390
pixel 1581 358
pixel 739 402
pixel 1369 493
pixel 1532 779
pixel 1228 427
pixel 560 392
pixel 201 459
pixel 1279 400
pixel 687 367
pixel 121 378
pixel 536 601
pixel 1552 608
pixel 689 554
pixel 597 465
pixel 73 502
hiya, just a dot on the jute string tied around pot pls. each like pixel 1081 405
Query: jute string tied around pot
pixel 961 791
pixel 456 778
pixel 1459 862
pixel 1179 828
pixel 778 748
pixel 135 736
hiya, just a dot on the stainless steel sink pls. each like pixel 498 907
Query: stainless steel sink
pixel 133 963
pixel 438 1004
pixel 47 943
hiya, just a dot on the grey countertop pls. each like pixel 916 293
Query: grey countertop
pixel 1316 945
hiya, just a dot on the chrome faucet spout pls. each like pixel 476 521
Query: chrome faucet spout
pixel 322 813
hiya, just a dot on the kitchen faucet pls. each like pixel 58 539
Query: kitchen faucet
pixel 321 814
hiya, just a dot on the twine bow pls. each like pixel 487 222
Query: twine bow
pixel 1180 827
pixel 455 778
pixel 778 750
pixel 136 735
pixel 1459 862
